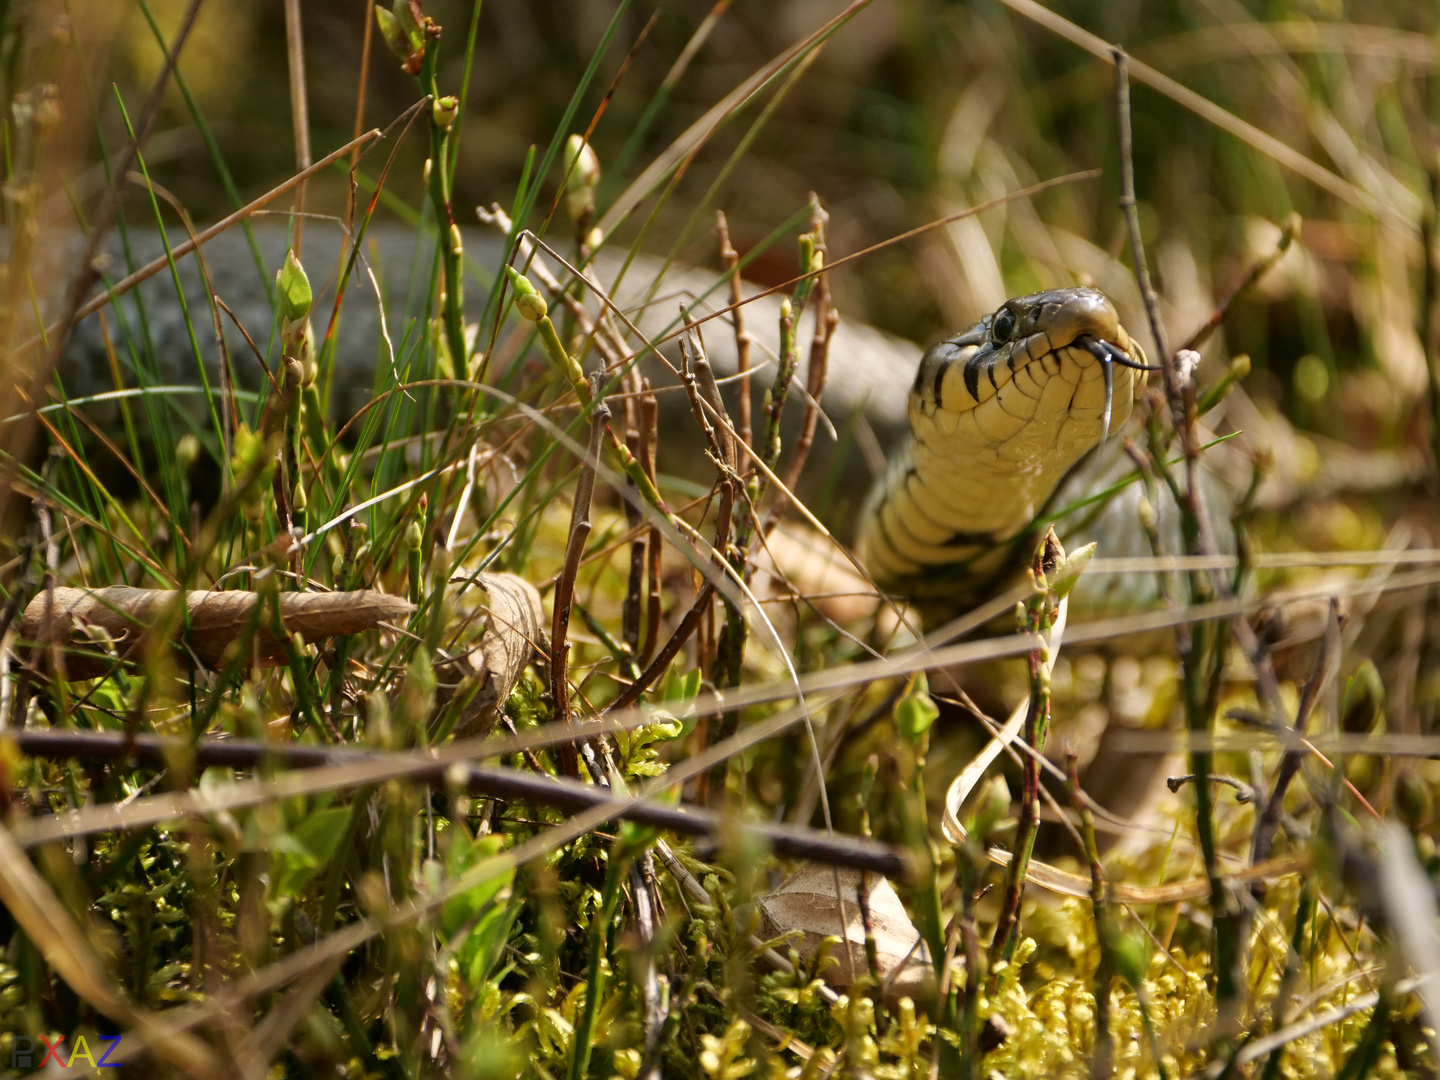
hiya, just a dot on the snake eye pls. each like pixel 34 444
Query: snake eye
pixel 1002 326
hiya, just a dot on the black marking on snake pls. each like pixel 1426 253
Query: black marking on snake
pixel 970 539
pixel 972 373
pixel 990 370
pixel 941 366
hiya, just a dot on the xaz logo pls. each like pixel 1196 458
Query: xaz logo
pixel 36 1053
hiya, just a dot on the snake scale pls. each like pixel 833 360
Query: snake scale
pixel 998 415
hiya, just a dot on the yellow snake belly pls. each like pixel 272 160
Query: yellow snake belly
pixel 998 415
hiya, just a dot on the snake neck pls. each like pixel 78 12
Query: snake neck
pixel 998 415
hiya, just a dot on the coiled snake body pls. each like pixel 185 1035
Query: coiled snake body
pixel 998 415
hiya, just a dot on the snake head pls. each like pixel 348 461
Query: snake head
pixel 1057 318
pixel 1039 331
pixel 998 415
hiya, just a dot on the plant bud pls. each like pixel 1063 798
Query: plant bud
pixel 915 712
pixel 405 30
pixel 579 202
pixel 1363 701
pixel 991 806
pixel 1413 799
pixel 582 167
pixel 293 289
pixel 47 111
pixel 1145 511
pixel 187 450
pixel 443 111
pixel 528 302
pixel 414 536
pixel 293 378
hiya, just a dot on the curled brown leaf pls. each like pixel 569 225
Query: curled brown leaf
pixel 81 619
pixel 512 634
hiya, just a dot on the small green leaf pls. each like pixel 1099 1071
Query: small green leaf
pixel 464 855
pixel 486 943
pixel 407 16
pixel 308 848
pixel 990 808
pixel 915 713
pixel 392 32
pixel 1131 956
pixel 680 687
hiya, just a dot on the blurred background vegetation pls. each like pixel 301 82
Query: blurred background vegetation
pixel 914 110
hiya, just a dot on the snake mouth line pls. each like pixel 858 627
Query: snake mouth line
pixel 1108 353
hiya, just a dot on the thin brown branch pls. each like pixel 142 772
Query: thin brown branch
pixel 492 781
pixel 363 83
pixel 826 319
pixel 565 588
pixel 730 260
pixel 1202 333
pixel 690 622
pixel 299 108
pixel 649 440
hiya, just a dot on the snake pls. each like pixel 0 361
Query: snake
pixel 998 415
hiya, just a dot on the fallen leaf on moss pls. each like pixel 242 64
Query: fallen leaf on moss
pixel 806 902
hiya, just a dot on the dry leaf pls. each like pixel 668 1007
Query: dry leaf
pixel 508 644
pixel 806 902
pixel 122 614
